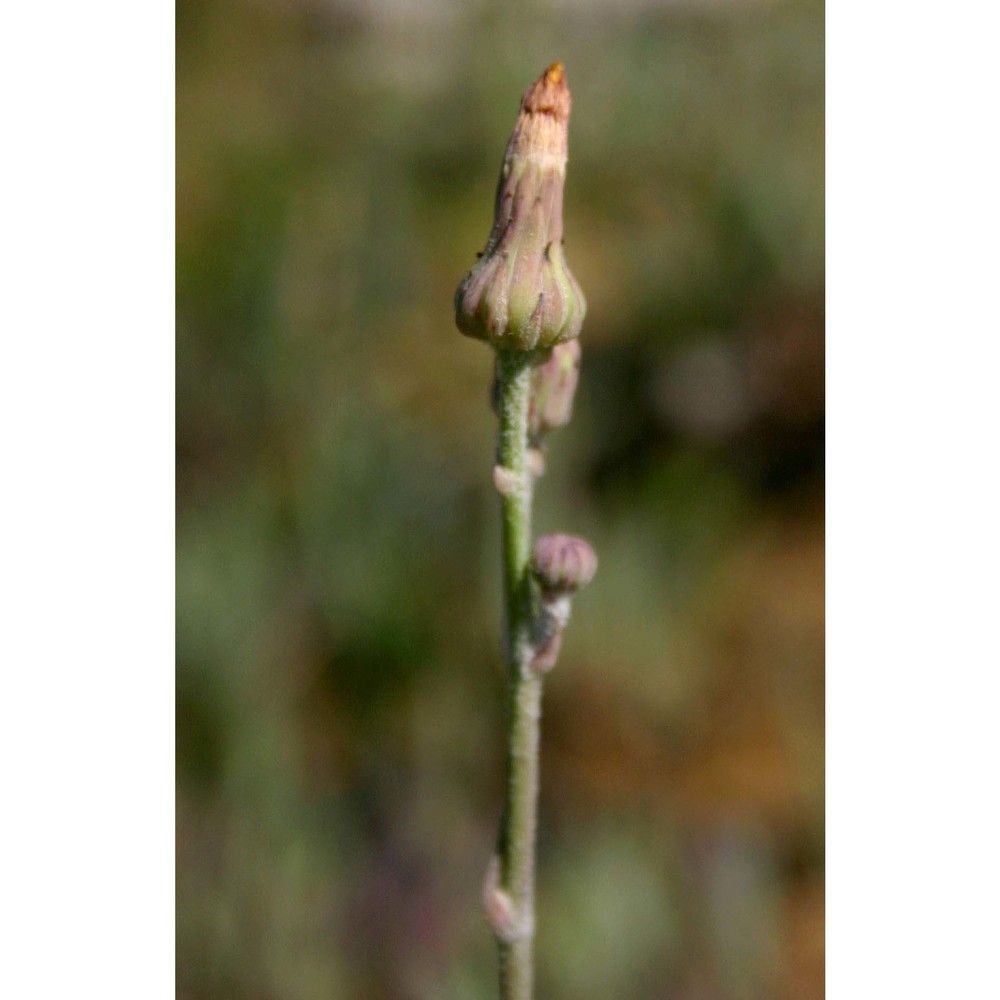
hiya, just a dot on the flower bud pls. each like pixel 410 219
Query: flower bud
pixel 563 563
pixel 553 387
pixel 521 294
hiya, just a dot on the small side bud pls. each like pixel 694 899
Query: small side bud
pixel 563 564
pixel 553 387
pixel 521 293
pixel 505 481
pixel 536 463
pixel 501 913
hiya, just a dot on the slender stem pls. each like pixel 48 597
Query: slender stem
pixel 523 684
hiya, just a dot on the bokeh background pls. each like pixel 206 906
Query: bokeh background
pixel 338 676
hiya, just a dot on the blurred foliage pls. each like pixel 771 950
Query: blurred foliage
pixel 338 676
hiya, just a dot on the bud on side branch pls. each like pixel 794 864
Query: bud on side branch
pixel 553 386
pixel 563 564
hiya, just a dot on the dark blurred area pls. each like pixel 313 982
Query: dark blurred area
pixel 339 680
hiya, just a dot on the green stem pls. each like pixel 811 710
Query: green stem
pixel 523 684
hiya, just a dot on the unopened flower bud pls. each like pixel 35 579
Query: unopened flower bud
pixel 521 294
pixel 563 563
pixel 553 387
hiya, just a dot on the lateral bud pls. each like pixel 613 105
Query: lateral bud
pixel 507 924
pixel 505 481
pixel 553 387
pixel 562 564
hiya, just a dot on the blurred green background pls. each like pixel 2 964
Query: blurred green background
pixel 338 678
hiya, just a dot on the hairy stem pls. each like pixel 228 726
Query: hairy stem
pixel 523 684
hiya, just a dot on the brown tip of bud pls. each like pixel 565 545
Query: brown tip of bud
pixel 563 562
pixel 548 95
pixel 543 121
